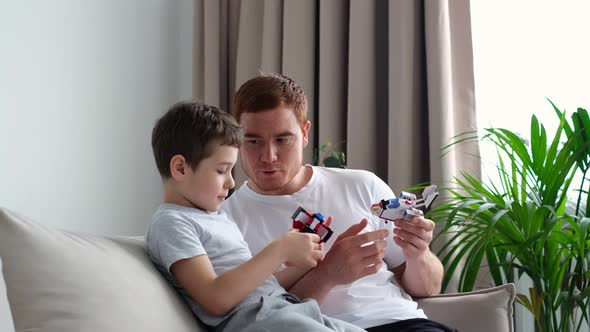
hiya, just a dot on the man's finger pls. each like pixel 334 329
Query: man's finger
pixel 407 227
pixel 419 222
pixel 405 244
pixel 353 230
pixel 374 248
pixel 408 236
pixel 371 269
pixel 370 236
pixel 328 221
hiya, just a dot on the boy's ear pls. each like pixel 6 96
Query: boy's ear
pixel 178 167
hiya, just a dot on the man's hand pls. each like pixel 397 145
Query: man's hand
pixel 413 236
pixel 421 275
pixel 351 258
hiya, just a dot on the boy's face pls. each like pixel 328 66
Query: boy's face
pixel 208 185
pixel 272 153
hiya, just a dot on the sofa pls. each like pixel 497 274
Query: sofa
pixel 55 280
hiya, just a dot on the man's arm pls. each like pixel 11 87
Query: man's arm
pixel 348 260
pixel 219 294
pixel 422 273
pixel 289 276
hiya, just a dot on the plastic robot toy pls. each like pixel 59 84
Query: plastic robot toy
pixel 406 206
pixel 306 222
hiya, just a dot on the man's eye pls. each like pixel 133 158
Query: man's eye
pixel 252 141
pixel 283 140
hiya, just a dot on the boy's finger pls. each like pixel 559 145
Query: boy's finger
pixel 314 237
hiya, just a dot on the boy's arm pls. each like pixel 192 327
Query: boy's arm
pixel 289 276
pixel 220 293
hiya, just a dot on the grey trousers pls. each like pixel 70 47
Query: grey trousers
pixel 273 313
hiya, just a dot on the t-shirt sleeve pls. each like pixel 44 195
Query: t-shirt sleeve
pixel 172 238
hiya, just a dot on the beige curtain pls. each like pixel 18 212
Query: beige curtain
pixel 391 80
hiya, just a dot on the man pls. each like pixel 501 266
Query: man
pixel 351 282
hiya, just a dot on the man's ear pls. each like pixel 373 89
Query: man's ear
pixel 178 167
pixel 305 131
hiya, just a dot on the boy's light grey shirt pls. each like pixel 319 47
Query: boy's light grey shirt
pixel 179 232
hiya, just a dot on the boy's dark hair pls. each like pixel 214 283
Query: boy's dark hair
pixel 268 91
pixel 190 129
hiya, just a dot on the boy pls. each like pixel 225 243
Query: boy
pixel 201 251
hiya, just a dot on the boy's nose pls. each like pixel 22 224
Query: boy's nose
pixel 230 183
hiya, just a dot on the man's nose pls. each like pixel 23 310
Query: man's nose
pixel 269 154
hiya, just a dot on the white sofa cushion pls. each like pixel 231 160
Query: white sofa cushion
pixel 484 310
pixel 6 323
pixel 60 281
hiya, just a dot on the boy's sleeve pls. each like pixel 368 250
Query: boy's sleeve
pixel 172 239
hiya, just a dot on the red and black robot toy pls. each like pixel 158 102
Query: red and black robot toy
pixel 306 222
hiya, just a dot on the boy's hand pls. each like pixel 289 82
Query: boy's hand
pixel 302 250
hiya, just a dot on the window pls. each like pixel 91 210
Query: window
pixel 526 51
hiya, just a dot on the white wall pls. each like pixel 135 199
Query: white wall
pixel 81 85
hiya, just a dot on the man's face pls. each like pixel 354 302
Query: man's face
pixel 272 151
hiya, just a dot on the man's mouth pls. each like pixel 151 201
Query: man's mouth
pixel 269 173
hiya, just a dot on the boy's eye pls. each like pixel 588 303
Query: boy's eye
pixel 223 171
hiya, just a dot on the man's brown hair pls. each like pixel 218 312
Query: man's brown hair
pixel 268 91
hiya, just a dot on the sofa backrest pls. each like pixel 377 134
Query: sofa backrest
pixel 61 281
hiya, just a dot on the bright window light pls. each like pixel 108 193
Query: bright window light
pixel 524 52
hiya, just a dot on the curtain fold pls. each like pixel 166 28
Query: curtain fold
pixel 388 82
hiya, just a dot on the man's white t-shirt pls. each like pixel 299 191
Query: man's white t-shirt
pixel 347 196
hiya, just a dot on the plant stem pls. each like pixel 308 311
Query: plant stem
pixel 580 193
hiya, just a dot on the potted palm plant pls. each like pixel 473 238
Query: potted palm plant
pixel 525 222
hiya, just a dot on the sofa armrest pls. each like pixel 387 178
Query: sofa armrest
pixel 482 310
pixel 6 323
